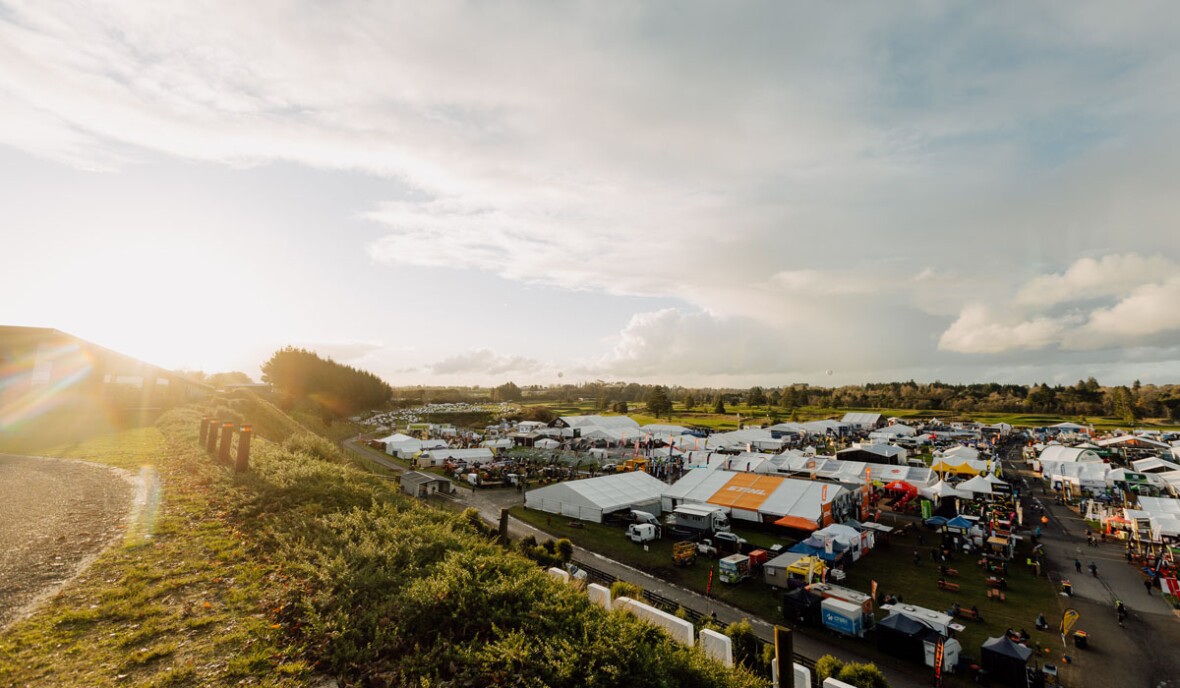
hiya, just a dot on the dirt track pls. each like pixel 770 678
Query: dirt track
pixel 55 516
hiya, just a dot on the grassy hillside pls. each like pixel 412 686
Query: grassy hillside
pixel 306 567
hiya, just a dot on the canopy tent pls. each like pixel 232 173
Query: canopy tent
pixel 591 498
pixel 797 522
pixel 960 523
pixel 958 466
pixel 939 490
pixel 802 606
pixel 903 636
pixel 993 479
pixel 936 521
pixel 901 486
pixel 976 485
pixel 546 444
pixel 1005 661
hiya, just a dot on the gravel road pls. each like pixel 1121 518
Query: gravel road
pixel 56 515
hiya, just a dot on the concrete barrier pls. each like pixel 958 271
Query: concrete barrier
pixel 717 646
pixel 680 630
pixel 559 574
pixel 599 594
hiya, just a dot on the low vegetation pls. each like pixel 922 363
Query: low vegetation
pixel 305 567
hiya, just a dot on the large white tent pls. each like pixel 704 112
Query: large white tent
pixel 976 485
pixel 592 498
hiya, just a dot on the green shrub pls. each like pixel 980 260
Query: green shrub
pixel 828 666
pixel 624 589
pixel 863 675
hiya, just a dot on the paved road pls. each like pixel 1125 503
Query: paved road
pixel 490 502
pixel 56 515
pixel 1141 654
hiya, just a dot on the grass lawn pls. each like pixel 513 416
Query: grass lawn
pixel 181 608
pixel 891 565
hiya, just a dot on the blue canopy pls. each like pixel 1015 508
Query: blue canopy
pixel 936 521
pixel 959 523
pixel 805 547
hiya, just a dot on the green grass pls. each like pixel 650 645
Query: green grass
pixel 891 565
pixel 165 613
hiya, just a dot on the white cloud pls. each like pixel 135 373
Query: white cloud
pixel 486 362
pixel 980 330
pixel 1089 278
pixel 1141 318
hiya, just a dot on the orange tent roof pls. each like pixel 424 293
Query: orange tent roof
pixel 797 522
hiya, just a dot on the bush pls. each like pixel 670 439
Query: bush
pixel 863 675
pixel 747 646
pixel 624 589
pixel 827 667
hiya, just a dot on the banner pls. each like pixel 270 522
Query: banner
pixel 709 585
pixel 1172 586
pixel 1068 619
pixel 873 590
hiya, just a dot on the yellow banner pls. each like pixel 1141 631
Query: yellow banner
pixel 1068 619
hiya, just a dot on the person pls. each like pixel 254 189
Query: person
pixel 1077 564
pixel 975 610
pixel 1042 624
pixel 1093 569
pixel 1120 610
pixel 1024 636
pixel 1147 585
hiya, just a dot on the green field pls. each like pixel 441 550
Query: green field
pixel 890 564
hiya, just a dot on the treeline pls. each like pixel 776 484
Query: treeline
pixel 302 379
pixel 1085 398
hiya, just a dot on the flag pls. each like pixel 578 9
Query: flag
pixel 1068 619
pixel 709 585
pixel 828 546
pixel 873 590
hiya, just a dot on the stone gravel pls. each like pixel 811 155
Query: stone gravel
pixel 56 516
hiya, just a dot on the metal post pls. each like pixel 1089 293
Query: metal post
pixel 784 656
pixel 211 440
pixel 204 429
pixel 243 463
pixel 227 434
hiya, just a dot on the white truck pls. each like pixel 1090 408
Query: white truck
pixel 643 532
pixel 703 519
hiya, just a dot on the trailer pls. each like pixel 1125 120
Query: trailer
pixel 734 569
pixel 705 519
pixel 842 617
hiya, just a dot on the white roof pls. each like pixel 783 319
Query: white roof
pixel 1154 464
pixel 1057 452
pixel 1068 426
pixel 895 430
pixel 789 497
pixel 962 452
pixel 1135 439
pixel 976 484
pixel 606 422
pixel 861 418
pixel 737 439
pixel 465 454
pixel 396 437
pixel 608 492
pixel 939 490
pixel 662 430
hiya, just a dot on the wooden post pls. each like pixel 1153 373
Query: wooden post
pixel 784 656
pixel 211 440
pixel 227 435
pixel 204 429
pixel 243 463
pixel 504 526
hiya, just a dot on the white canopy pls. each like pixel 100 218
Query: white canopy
pixel 939 490
pixel 547 444
pixel 993 479
pixel 977 485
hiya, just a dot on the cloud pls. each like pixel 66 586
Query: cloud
pixel 831 183
pixel 1090 278
pixel 979 331
pixel 486 362
pixel 1147 316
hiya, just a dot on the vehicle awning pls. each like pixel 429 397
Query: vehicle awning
pixel 797 522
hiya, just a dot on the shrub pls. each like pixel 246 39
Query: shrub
pixel 863 675
pixel 827 667
pixel 624 589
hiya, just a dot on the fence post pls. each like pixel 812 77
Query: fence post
pixel 204 429
pixel 784 656
pixel 243 463
pixel 227 434
pixel 211 440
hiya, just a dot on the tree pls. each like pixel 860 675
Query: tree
pixel 507 392
pixel 718 404
pixel 756 396
pixel 302 377
pixel 689 402
pixel 658 403
pixel 565 550
pixel 620 407
pixel 862 675
pixel 828 666
pixel 220 380
pixel 747 646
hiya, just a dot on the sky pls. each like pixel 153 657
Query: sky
pixel 696 193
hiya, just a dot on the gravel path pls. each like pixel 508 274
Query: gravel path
pixel 56 515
